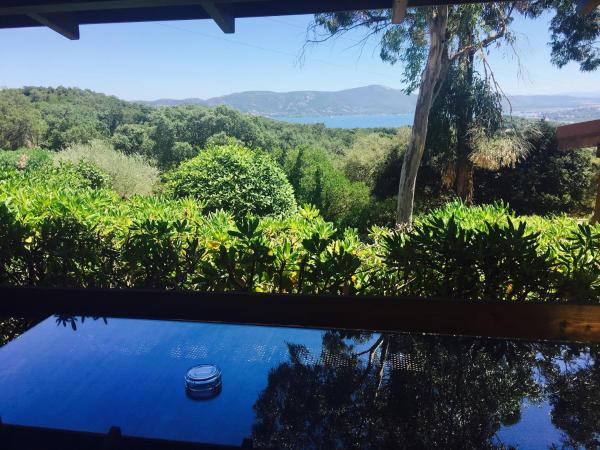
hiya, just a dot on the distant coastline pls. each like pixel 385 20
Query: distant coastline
pixel 353 120
pixel 379 106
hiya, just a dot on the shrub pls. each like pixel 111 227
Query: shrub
pixel 25 159
pixel 441 258
pixel 548 180
pixel 54 231
pixel 182 151
pixel 317 181
pixel 235 179
pixel 129 174
pixel 371 154
pixel 95 177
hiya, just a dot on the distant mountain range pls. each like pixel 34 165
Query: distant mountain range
pixel 380 100
pixel 363 100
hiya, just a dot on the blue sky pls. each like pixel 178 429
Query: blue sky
pixel 195 59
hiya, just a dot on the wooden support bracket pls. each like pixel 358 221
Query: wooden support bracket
pixel 399 11
pixel 220 15
pixel 61 23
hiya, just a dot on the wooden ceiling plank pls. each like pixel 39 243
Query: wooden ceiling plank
pixel 52 7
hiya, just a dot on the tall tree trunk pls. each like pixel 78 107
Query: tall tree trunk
pixel 464 166
pixel 464 179
pixel 431 78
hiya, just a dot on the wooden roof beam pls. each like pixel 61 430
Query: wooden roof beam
pixel 586 6
pixel 61 23
pixel 221 15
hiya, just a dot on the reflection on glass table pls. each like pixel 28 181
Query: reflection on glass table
pixel 300 388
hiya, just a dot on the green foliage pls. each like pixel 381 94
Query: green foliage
pixel 235 179
pixel 58 117
pixel 574 36
pixel 441 258
pixel 548 180
pixel 21 125
pixel 221 138
pixel 57 230
pixel 160 254
pixel 79 116
pixel 464 125
pixel 202 127
pixel 127 174
pixel 25 159
pixel 12 237
pixel 318 182
pixel 349 175
pixel 493 261
pixel 579 264
pixel 183 151
pixel 131 138
pixel 370 157
pixel 95 177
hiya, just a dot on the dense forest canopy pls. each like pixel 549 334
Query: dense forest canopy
pixel 351 175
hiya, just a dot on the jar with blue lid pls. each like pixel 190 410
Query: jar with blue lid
pixel 203 381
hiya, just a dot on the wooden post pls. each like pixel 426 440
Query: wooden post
pixel 596 217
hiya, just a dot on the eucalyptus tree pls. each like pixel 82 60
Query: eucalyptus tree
pixel 427 42
pixel 430 40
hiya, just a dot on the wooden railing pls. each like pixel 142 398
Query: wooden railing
pixel 531 321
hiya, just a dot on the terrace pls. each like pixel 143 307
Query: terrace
pixel 118 382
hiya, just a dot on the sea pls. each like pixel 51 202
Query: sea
pixel 355 121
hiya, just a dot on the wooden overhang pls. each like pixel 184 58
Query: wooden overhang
pixel 582 135
pixel 65 16
pixel 578 135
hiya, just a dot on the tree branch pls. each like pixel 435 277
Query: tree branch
pixel 490 39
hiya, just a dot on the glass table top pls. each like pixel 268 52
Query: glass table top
pixel 301 388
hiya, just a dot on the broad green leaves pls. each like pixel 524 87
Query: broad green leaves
pixel 56 231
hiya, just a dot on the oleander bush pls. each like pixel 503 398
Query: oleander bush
pixel 233 178
pixel 57 229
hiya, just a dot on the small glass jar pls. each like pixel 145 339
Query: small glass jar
pixel 203 381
